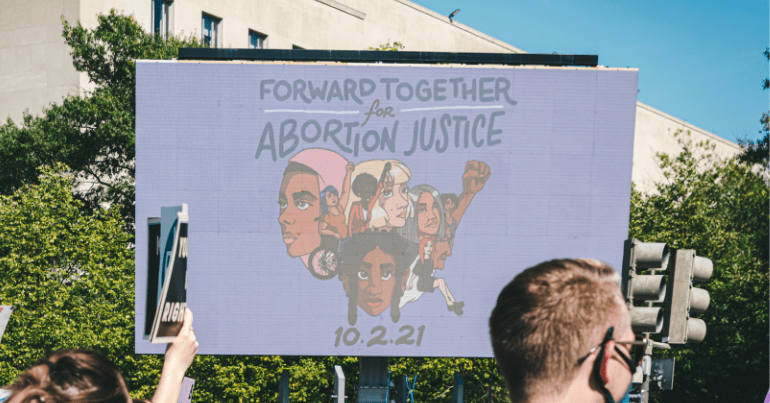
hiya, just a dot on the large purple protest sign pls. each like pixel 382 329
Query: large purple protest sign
pixel 376 209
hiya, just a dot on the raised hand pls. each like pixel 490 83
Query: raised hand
pixel 179 356
pixel 180 353
pixel 476 175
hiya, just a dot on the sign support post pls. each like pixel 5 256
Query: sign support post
pixel 374 380
pixel 283 387
pixel 339 385
pixel 458 389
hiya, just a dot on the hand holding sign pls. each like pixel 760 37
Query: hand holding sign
pixel 179 357
pixel 475 176
pixel 180 353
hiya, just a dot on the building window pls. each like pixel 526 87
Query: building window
pixel 257 40
pixel 210 27
pixel 161 17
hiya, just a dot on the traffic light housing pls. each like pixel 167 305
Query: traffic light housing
pixel 682 299
pixel 649 288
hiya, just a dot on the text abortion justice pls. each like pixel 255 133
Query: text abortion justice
pixel 434 133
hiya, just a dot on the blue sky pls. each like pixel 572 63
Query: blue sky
pixel 700 61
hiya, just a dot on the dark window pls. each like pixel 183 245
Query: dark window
pixel 161 17
pixel 210 30
pixel 257 40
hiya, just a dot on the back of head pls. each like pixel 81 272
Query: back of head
pixel 70 376
pixel 544 320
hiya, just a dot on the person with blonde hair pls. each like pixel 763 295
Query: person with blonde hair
pixel 390 203
pixel 83 376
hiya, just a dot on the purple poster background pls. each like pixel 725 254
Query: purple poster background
pixel 555 146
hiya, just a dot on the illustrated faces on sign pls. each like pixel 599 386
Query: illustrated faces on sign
pixel 300 209
pixel 367 194
pixel 427 250
pixel 428 214
pixel 376 281
pixel 449 205
pixel 390 202
pixel 442 252
pixel 331 199
pixel 393 200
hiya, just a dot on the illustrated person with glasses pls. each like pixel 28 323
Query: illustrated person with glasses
pixel 561 332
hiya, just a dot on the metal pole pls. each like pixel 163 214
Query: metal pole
pixel 402 389
pixel 647 361
pixel 283 387
pixel 646 367
pixel 458 389
pixel 339 385
pixel 373 381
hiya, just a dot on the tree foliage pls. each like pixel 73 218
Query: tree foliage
pixel 720 209
pixel 69 274
pixel 758 151
pixel 388 47
pixel 92 133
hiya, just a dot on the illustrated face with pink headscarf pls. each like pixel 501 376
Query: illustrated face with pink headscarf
pixel 306 174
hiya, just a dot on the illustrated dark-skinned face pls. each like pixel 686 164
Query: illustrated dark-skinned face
pixel 428 214
pixel 366 195
pixel 449 205
pixel 300 209
pixel 376 281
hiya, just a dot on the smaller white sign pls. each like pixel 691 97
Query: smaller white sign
pixel 5 315
pixel 185 395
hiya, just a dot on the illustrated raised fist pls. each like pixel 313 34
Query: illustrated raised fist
pixel 350 167
pixel 476 175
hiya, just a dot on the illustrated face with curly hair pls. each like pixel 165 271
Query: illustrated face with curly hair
pixel 375 269
pixel 376 281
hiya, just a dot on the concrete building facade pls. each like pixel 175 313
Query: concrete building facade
pixel 36 67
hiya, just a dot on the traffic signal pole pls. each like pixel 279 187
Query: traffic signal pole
pixel 673 321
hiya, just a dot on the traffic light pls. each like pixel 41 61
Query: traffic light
pixel 682 298
pixel 649 288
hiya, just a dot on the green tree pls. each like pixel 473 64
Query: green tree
pixel 69 275
pixel 93 133
pixel 720 209
pixel 758 151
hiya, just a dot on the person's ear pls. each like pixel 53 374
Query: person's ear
pixel 609 349
pixel 404 279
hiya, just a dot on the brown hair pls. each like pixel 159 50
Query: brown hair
pixel 544 322
pixel 77 376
